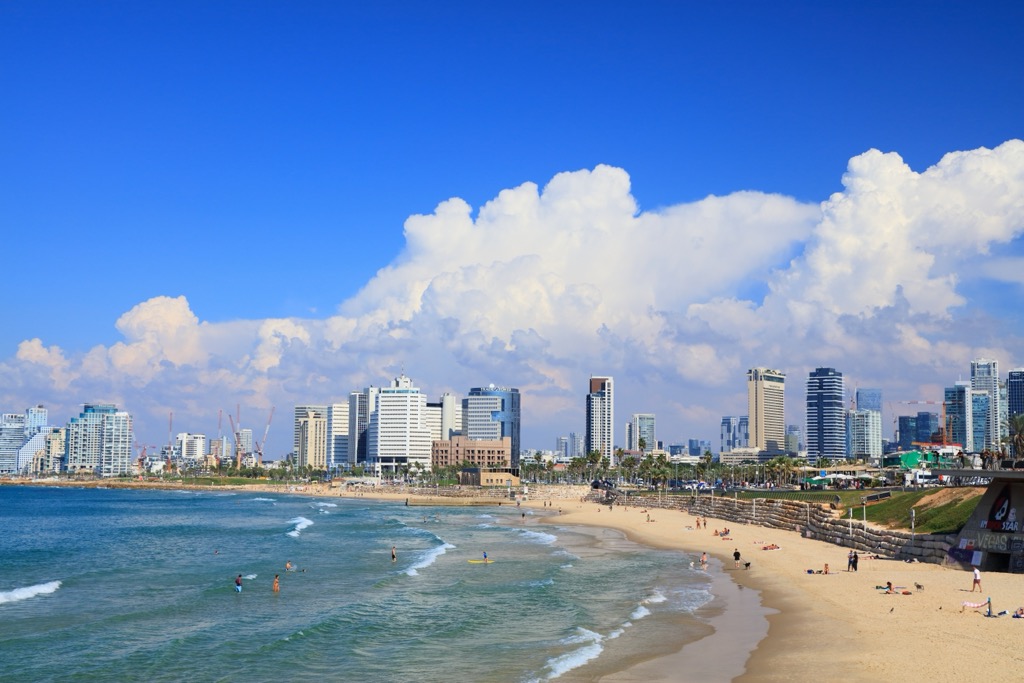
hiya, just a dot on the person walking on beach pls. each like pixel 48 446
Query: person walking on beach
pixel 977 580
pixel 736 557
pixel 849 562
pixel 704 561
pixel 238 583
pixel 856 559
pixel 277 583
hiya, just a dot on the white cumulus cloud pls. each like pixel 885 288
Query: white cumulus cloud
pixel 543 286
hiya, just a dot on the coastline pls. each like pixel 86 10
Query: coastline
pixel 810 624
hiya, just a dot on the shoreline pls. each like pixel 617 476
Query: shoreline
pixel 840 623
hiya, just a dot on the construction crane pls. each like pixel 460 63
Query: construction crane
pixel 238 446
pixel 258 446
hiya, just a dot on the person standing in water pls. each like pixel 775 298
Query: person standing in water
pixel 277 583
pixel 394 555
pixel 238 584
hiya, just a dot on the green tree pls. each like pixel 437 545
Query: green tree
pixel 1015 427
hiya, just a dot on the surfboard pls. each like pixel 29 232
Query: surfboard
pixel 479 561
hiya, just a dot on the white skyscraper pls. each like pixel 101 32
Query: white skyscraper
pixel 337 435
pixel 191 446
pixel 766 409
pixel 865 435
pixel 118 440
pixel 300 413
pixel 985 377
pixel 312 446
pixel 600 434
pixel 398 435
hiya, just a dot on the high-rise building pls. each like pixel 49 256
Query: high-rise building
pixel 600 434
pixel 959 416
pixel 928 425
pixel 191 446
pixel 12 436
pixel 53 456
pixel 868 399
pixel 576 445
pixel 731 436
pixel 397 436
pixel 562 447
pixel 444 417
pixel 360 405
pixel 1015 392
pixel 36 420
pixel 826 420
pixel 865 428
pixel 641 426
pixel 100 441
pixel 766 409
pixel 337 435
pixel 794 440
pixel 981 407
pixel 118 441
pixel 311 449
pixel 489 413
pixel 300 413
pixel 906 427
pixel 985 377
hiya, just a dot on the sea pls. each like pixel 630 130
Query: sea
pixel 138 585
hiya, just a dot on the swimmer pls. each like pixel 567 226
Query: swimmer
pixel 394 555
pixel 288 567
pixel 277 583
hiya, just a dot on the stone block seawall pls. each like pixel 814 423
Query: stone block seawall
pixel 812 520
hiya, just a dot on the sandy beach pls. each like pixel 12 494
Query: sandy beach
pixel 839 626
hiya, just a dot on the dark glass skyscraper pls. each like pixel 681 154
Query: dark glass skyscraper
pixel 1015 392
pixel 826 424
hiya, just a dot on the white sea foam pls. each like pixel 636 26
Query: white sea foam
pixel 265 500
pixel 655 598
pixel 325 505
pixel 640 612
pixel 590 648
pixel 249 577
pixel 28 592
pixel 300 524
pixel 539 536
pixel 429 557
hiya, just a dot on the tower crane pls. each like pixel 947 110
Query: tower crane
pixel 259 445
pixel 238 446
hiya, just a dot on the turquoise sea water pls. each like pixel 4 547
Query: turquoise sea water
pixel 125 585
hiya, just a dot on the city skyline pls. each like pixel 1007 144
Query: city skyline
pixel 278 207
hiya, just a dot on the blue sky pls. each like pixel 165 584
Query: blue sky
pixel 232 182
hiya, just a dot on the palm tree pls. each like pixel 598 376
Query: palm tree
pixel 629 465
pixel 1015 426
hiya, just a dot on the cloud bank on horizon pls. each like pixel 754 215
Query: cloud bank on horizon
pixel 545 286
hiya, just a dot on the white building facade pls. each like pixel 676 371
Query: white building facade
pixel 397 436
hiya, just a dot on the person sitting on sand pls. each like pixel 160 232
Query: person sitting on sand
pixel 826 569
pixel 888 587
pixel 1019 614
